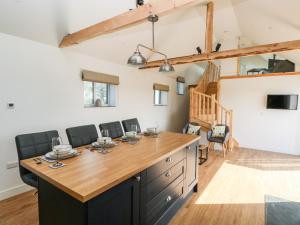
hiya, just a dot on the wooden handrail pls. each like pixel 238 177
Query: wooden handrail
pixel 206 108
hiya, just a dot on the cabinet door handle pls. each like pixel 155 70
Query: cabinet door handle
pixel 169 159
pixel 138 178
pixel 169 198
pixel 168 174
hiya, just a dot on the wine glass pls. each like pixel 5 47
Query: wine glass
pixel 155 134
pixel 55 141
pixel 105 134
pixel 134 128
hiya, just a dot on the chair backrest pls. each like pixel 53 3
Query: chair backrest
pixel 186 128
pixel 128 123
pixel 34 144
pixel 114 129
pixel 82 135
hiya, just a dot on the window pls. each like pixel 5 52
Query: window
pixel 99 94
pixel 160 94
pixel 160 97
pixel 100 90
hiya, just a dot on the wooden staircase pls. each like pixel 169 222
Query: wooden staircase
pixel 205 107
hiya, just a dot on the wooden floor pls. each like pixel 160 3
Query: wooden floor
pixel 231 191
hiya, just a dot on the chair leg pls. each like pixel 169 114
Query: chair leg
pixel 224 149
pixel 213 145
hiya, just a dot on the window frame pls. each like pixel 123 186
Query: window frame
pixel 108 102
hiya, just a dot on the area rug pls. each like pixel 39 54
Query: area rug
pixel 281 212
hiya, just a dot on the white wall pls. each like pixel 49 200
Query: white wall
pixel 45 84
pixel 254 125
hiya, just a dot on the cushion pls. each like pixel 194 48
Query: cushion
pixel 218 131
pixel 193 129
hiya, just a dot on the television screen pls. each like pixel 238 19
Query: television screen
pixel 289 102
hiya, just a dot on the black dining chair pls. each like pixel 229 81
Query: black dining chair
pixel 82 135
pixel 127 125
pixel 33 145
pixel 114 129
pixel 220 140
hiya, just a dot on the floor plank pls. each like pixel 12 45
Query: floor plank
pixel 231 191
pixel 19 210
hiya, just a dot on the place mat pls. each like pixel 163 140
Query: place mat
pixel 53 166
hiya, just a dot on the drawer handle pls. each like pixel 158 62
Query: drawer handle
pixel 138 178
pixel 169 198
pixel 169 159
pixel 188 147
pixel 168 174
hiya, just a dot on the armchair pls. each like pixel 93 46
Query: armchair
pixel 220 140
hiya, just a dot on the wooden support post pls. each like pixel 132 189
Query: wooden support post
pixel 209 27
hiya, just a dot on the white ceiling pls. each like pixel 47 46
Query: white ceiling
pixel 178 33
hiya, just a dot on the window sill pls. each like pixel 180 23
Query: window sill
pixel 105 106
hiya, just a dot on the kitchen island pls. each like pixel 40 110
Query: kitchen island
pixel 142 184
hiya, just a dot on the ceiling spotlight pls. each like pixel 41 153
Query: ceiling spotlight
pixel 199 50
pixel 139 3
pixel 218 47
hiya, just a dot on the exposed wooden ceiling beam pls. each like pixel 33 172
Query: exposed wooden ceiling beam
pixel 209 27
pixel 256 50
pixel 124 20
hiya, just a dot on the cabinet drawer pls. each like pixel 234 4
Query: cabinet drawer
pixel 158 205
pixel 161 182
pixel 165 164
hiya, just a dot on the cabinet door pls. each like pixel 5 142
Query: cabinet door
pixel 118 206
pixel 192 165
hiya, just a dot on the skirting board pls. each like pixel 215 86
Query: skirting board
pixel 14 191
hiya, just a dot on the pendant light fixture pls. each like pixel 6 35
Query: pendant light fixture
pixel 137 59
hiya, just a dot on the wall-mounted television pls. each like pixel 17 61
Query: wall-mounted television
pixel 289 102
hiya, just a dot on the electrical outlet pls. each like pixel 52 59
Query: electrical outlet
pixel 11 165
pixel 10 105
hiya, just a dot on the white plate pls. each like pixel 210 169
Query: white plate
pixel 102 145
pixel 62 147
pixel 53 155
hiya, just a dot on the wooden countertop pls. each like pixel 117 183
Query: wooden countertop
pixel 92 173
